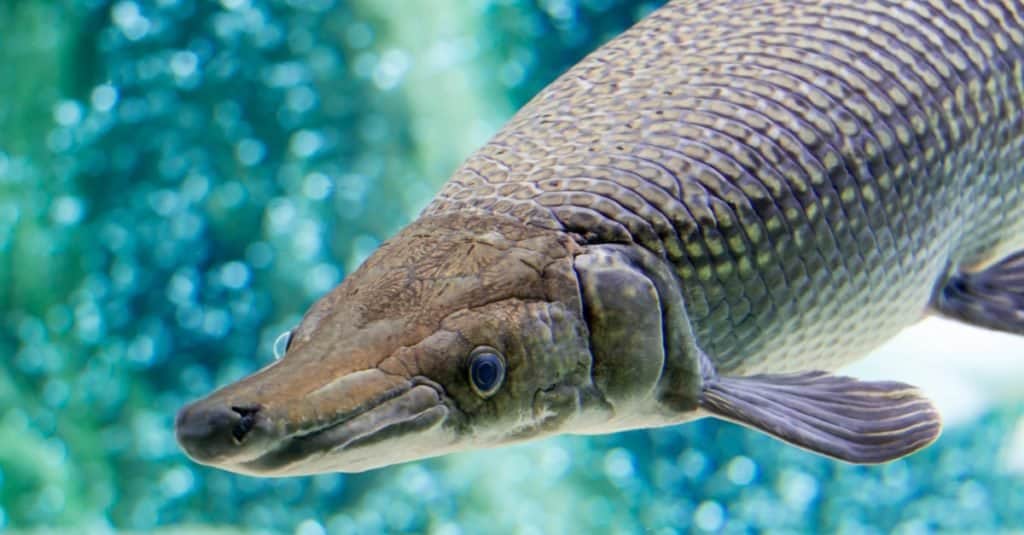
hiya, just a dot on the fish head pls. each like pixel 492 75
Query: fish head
pixel 454 335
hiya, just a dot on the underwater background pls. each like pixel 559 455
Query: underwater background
pixel 180 179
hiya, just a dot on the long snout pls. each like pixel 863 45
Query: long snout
pixel 239 421
pixel 286 420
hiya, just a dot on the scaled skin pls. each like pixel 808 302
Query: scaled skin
pixel 707 215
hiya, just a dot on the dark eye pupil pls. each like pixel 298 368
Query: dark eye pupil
pixel 485 371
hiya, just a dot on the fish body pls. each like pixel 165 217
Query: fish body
pixel 810 170
pixel 704 217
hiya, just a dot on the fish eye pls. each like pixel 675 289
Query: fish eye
pixel 486 371
pixel 282 343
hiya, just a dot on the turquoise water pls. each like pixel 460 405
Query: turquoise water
pixel 180 179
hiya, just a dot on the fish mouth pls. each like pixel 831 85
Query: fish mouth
pixel 360 441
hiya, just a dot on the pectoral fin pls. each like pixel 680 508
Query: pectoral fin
pixel 993 298
pixel 842 417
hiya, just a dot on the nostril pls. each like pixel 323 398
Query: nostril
pixel 246 421
pixel 211 431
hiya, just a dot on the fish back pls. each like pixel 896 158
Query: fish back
pixel 811 170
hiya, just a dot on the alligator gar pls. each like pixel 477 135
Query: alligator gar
pixel 707 216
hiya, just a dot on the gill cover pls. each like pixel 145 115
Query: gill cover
pixel 623 312
pixel 645 360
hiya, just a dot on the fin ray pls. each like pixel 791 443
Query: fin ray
pixel 841 417
pixel 992 298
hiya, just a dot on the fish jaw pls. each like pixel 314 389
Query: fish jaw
pixel 256 427
pixel 416 415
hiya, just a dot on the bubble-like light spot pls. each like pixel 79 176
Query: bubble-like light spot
pixel 164 202
pixel 364 64
pixel 797 488
pixel 287 74
pixel 281 344
pixel 741 470
pixel 391 68
pixel 972 495
pixel 89 325
pixel 267 33
pixel 103 97
pixel 250 151
pixel 692 463
pixel 316 186
pixel 300 99
pixel 67 113
pixel 618 464
pixel 184 63
pixel 352 187
pixel 125 13
pixel 67 210
pixel 310 527
pixel 328 483
pixel 141 350
pixel 281 215
pixel 555 462
pixel 234 4
pixel 511 73
pixel 181 288
pixel 123 274
pixel 560 10
pixel 176 482
pixel 234 275
pixel 230 194
pixel 307 241
pixel 195 187
pixel 305 143
pixel 186 225
pixel 709 516
pixel 914 526
pixel 216 322
pixel 322 278
pixel 127 16
pixel 448 528
pixel 417 481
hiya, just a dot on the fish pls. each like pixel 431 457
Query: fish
pixel 708 216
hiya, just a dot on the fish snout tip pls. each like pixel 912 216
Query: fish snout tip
pixel 211 432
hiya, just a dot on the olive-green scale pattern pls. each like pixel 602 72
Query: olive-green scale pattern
pixel 812 170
